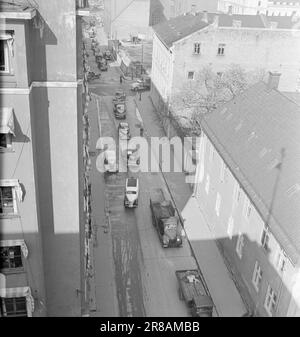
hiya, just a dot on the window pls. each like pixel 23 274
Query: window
pixel 211 153
pixel 7 200
pixel 6 127
pixel 240 245
pixel 230 227
pixel 221 49
pixel 222 171
pixel 247 208
pixel 257 276
pixel 10 190
pixel 191 75
pixel 207 184
pixel 237 193
pixel 270 301
pixel 5 140
pixel 13 307
pixel 280 261
pixel 10 257
pixel 197 48
pixel 265 239
pixel 6 43
pixel 218 204
pixel 4 63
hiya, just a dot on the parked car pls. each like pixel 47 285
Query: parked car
pixel 131 192
pixel 120 97
pixel 108 55
pixel 110 164
pixel 124 131
pixel 139 85
pixel 120 110
pixel 103 66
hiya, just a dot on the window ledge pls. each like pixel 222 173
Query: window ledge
pixel 13 271
pixel 6 150
pixel 9 216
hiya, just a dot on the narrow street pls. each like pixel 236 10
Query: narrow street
pixel 138 274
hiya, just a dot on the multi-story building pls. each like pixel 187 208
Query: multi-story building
pixel 247 185
pixel 267 7
pixel 126 18
pixel 41 179
pixel 161 10
pixel 185 44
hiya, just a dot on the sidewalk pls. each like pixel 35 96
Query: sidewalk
pixel 226 297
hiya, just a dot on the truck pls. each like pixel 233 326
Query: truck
pixel 163 218
pixel 192 289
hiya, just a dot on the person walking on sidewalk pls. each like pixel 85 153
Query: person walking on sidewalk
pixel 121 79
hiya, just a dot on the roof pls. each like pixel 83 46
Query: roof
pixel 249 133
pixel 182 26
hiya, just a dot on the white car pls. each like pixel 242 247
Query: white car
pixel 124 131
pixel 131 192
pixel 110 164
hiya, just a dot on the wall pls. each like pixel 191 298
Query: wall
pixel 126 17
pixel 56 133
pixel 162 67
pixel 275 50
pixel 210 163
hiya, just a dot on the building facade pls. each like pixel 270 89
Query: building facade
pixel 247 186
pixel 251 7
pixel 123 19
pixel 41 180
pixel 161 10
pixel 184 45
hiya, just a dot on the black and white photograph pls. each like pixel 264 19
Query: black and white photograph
pixel 149 162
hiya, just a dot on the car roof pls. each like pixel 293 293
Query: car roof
pixel 124 124
pixel 132 182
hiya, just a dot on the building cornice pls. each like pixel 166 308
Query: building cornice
pixel 27 91
pixel 25 15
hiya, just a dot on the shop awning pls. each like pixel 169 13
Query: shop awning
pixel 7 121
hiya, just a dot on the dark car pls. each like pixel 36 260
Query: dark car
pixel 120 110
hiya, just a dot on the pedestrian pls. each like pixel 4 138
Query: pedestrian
pixel 121 79
pixel 141 131
pixel 140 95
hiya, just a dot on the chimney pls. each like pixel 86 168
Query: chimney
pixel 216 21
pixel 193 9
pixel 205 17
pixel 273 80
pixel 294 16
pixel 229 10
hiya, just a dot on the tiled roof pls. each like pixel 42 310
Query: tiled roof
pixel 182 26
pixel 249 133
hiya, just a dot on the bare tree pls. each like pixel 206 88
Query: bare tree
pixel 208 91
